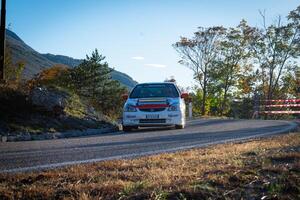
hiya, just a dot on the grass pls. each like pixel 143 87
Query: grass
pixel 257 169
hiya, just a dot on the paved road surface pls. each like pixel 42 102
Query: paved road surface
pixel 36 155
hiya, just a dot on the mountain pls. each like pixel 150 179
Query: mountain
pixel 36 62
pixel 72 62
pixel 19 51
pixel 66 60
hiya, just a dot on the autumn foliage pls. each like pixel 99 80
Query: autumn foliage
pixel 48 76
pixel 236 64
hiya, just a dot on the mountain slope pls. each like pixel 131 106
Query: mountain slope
pixel 69 61
pixel 66 60
pixel 36 62
pixel 20 51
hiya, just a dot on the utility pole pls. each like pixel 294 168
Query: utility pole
pixel 2 39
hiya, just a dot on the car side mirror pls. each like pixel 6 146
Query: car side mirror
pixel 125 97
pixel 184 95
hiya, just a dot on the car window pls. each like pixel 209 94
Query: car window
pixel 154 90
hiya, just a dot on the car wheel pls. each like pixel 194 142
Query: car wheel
pixel 127 128
pixel 179 126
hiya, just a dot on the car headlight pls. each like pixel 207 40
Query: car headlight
pixel 173 107
pixel 129 108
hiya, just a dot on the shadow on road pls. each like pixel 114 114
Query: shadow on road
pixel 192 137
pixel 183 137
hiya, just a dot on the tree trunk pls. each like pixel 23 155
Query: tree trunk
pixel 224 101
pixel 269 97
pixel 204 95
pixel 225 94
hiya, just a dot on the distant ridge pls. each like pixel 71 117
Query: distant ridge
pixel 66 60
pixel 36 62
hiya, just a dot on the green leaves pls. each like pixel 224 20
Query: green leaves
pixel 199 54
pixel 239 61
pixel 12 71
pixel 92 80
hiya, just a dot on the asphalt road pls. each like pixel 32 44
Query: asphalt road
pixel 36 155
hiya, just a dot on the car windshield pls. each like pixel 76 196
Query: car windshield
pixel 154 90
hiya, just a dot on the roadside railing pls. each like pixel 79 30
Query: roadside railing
pixel 278 107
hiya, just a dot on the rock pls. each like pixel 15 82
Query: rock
pixel 3 138
pixel 49 99
pixel 91 110
pixel 24 137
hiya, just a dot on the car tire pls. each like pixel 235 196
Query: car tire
pixel 127 128
pixel 179 126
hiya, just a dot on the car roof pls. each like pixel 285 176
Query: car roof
pixel 154 83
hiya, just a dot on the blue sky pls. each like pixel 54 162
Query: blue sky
pixel 136 36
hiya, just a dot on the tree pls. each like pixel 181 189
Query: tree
pixel 199 54
pixel 49 77
pixel 232 62
pixel 12 71
pixel 92 80
pixel 276 47
pixel 90 77
pixel 290 83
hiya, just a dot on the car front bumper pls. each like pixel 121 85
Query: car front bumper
pixel 165 118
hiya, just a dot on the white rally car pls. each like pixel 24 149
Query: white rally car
pixel 154 104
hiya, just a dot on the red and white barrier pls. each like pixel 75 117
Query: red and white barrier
pixel 282 105
pixel 281 112
pixel 283 100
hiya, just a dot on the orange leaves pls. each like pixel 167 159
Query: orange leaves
pixel 47 77
pixel 51 73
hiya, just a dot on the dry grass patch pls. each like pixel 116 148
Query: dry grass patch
pixel 265 168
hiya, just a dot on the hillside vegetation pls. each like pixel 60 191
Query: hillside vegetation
pixel 35 62
pixel 84 97
pixel 89 90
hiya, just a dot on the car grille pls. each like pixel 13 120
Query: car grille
pixel 152 109
pixel 152 121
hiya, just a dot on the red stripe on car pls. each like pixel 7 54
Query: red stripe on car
pixel 152 106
